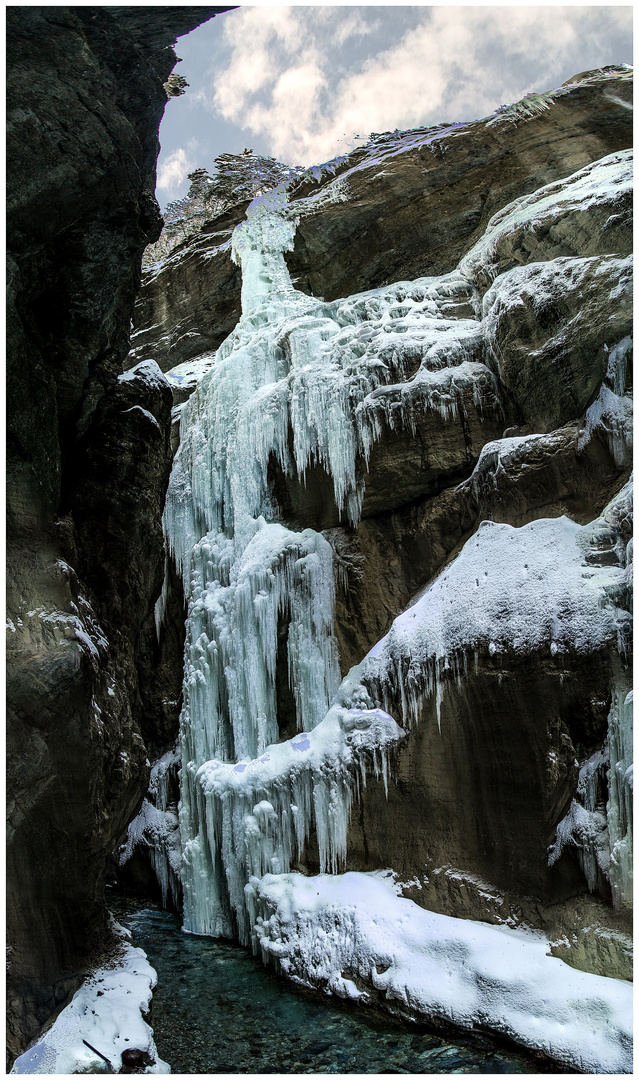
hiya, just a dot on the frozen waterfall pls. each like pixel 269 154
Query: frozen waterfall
pixel 248 579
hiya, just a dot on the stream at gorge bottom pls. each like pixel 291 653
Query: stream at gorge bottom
pixel 217 1009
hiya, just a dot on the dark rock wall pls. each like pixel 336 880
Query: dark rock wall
pixel 87 462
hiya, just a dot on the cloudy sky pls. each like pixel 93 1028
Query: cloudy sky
pixel 305 83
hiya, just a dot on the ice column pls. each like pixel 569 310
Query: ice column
pixel 247 579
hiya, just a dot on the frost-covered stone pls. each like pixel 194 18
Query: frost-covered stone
pixel 549 328
pixel 588 213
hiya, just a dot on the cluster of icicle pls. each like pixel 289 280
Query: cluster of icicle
pixel 259 814
pixel 599 830
pixel 155 830
pixel 598 825
pixel 291 383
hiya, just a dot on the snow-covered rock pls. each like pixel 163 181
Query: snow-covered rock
pixel 104 1020
pixel 352 936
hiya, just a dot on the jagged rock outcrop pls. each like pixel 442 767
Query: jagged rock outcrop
pixel 402 421
pixel 415 205
pixel 88 459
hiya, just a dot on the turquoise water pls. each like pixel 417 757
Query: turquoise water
pixel 216 1009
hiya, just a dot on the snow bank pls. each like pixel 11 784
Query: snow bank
pixel 107 1012
pixel 341 932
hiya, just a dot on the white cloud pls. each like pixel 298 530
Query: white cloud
pixel 284 83
pixel 354 26
pixel 174 171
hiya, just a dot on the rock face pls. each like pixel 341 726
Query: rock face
pixel 427 427
pixel 88 460
pixel 415 206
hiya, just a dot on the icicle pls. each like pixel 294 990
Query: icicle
pixel 259 814
pixel 162 600
pixel 155 830
pixel 619 808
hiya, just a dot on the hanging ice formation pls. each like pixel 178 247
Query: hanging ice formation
pixel 155 830
pixel 286 384
pixel 598 825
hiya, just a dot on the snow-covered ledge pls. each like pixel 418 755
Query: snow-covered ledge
pixel 103 1021
pixel 351 935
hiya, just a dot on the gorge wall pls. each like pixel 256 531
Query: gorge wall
pixel 461 295
pixel 88 460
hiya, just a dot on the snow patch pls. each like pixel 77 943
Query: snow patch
pixel 107 1012
pixel 148 371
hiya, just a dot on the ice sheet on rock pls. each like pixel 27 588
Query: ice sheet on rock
pixel 324 931
pixel 107 1011
pixel 259 813
pixel 544 282
pixel 186 376
pixel 145 413
pixel 601 833
pixel 586 831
